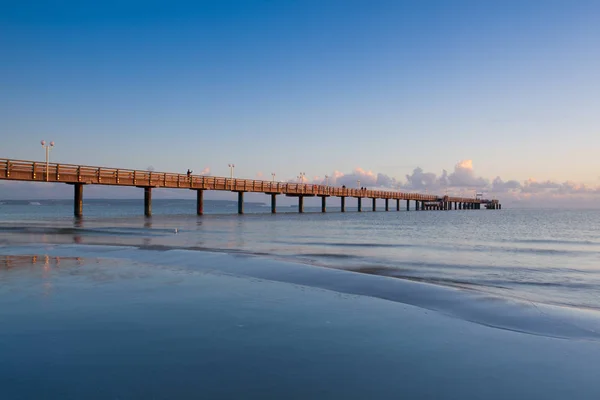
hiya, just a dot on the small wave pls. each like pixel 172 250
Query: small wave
pixel 348 244
pixel 552 241
pixel 35 203
pixel 327 255
pixel 84 231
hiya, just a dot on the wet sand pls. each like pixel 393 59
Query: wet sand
pixel 112 327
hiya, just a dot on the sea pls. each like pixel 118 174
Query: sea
pixel 398 304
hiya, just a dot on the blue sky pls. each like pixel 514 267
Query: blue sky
pixel 312 86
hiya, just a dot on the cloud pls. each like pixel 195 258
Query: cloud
pixel 366 178
pixel 420 180
pixel 532 186
pixel 464 176
pixel 205 171
pixel 499 186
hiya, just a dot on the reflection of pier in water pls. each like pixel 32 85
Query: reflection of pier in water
pixel 80 175
pixel 8 262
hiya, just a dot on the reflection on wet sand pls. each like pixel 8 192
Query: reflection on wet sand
pixel 8 262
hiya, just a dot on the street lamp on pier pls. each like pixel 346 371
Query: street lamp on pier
pixel 47 147
pixel 231 167
pixel 273 175
pixel 301 177
pixel 358 183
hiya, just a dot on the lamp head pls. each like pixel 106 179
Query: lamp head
pixel 51 144
pixel 43 142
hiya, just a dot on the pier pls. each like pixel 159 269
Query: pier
pixel 81 175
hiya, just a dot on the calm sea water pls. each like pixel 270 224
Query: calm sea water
pixel 546 256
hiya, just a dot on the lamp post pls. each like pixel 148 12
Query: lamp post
pixel 273 175
pixel 231 167
pixel 47 147
pixel 301 177
pixel 358 183
pixel 326 180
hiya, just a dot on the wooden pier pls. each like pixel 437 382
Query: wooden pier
pixel 81 175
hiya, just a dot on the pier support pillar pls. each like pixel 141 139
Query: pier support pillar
pixel 199 202
pixel 78 200
pixel 387 204
pixel 273 203
pixel 397 204
pixel 499 206
pixel 323 204
pixel 240 202
pixel 300 204
pixel 147 201
pixel 374 204
pixel 359 204
pixel 407 205
pixel 343 204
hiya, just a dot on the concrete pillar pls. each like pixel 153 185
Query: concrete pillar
pixel 407 205
pixel 417 205
pixel 78 200
pixel 147 201
pixel 343 204
pixel 273 203
pixel 240 202
pixel 359 204
pixel 199 202
pixel 374 204
pixel 300 204
pixel 397 204
pixel 323 204
pixel 499 206
pixel 387 204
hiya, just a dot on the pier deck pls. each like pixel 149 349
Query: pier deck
pixel 80 175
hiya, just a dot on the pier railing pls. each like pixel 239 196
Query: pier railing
pixel 22 170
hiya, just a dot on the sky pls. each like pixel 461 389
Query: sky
pixel 500 97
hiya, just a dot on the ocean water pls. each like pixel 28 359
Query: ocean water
pixel 546 256
pixel 429 304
